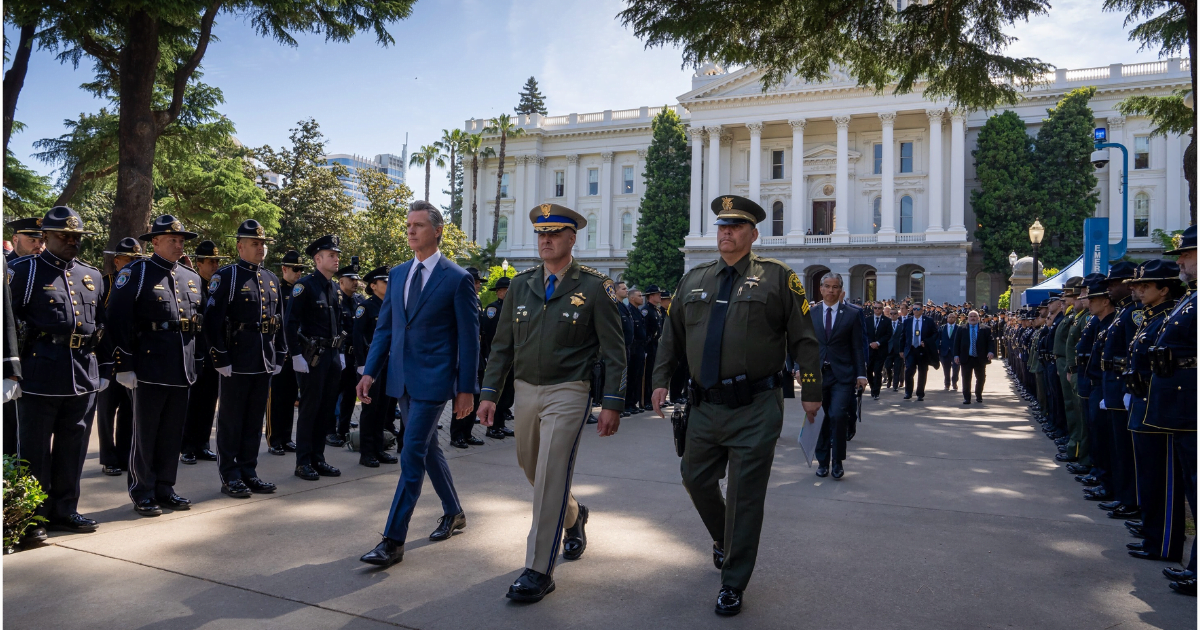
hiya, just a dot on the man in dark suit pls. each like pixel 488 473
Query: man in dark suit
pixel 895 360
pixel 879 337
pixel 840 334
pixel 974 349
pixel 428 337
pixel 947 341
pixel 920 349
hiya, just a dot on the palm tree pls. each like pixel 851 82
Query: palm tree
pixel 472 145
pixel 427 156
pixel 503 126
pixel 451 143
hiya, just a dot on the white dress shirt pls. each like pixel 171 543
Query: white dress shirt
pixel 429 264
pixel 833 314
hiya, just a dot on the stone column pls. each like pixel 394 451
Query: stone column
pixel 572 187
pixel 639 178
pixel 841 230
pixel 885 285
pixel 958 174
pixel 713 183
pixel 798 184
pixel 1116 133
pixel 606 217
pixel 516 234
pixel 536 195
pixel 755 176
pixel 887 199
pixel 935 170
pixel 1175 218
pixel 697 193
pixel 468 193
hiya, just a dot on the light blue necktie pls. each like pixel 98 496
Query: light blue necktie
pixel 550 286
pixel 972 340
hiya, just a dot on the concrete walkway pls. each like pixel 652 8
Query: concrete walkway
pixel 949 517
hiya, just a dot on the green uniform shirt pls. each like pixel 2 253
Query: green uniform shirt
pixel 1073 335
pixel 1060 335
pixel 767 319
pixel 559 341
pixel 1035 361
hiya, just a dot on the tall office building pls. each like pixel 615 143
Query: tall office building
pixel 394 166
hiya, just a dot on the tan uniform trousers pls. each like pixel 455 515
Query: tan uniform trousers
pixel 549 422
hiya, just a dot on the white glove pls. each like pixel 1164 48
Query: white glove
pixel 299 364
pixel 103 385
pixel 1102 405
pixel 12 390
pixel 127 379
pixel 1127 398
pixel 226 371
pixel 342 360
pixel 277 369
pixel 360 369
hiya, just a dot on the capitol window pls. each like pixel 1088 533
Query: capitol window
pixel 878 153
pixel 877 217
pixel 590 239
pixel 906 215
pixel 1141 215
pixel 906 157
pixel 777 219
pixel 504 186
pixel 1141 152
pixel 627 180
pixel 593 181
pixel 559 183
pixel 626 231
pixel 502 233
pixel 777 164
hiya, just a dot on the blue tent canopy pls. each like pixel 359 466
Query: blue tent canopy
pixel 1037 293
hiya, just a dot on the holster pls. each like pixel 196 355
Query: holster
pixel 679 423
pixel 1135 383
pixel 1162 361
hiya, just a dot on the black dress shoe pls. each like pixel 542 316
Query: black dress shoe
pixel 289 447
pixel 495 434
pixel 368 460
pixel 447 525
pixel 147 507
pixel 1136 532
pixel 575 538
pixel 325 470
pixel 333 439
pixel 187 458
pixel 385 554
pixel 1088 480
pixel 1133 523
pixel 386 458
pixel 474 441
pixel 979 399
pixel 1079 469
pixel 1146 555
pixel 592 419
pixel 1184 587
pixel 718 555
pixel 1109 505
pixel 1063 457
pixel 1096 494
pixel 919 399
pixel 531 587
pixel 112 471
pixel 729 601
pixel 1178 574
pixel 34 536
pixel 276 450
pixel 458 443
pixel 506 431
pixel 258 486
pixel 175 502
pixel 73 523
pixel 1135 546
pixel 1125 512
pixel 822 470
pixel 236 488
pixel 624 414
pixel 207 455
pixel 967 401
pixel 907 396
pixel 837 470
pixel 307 473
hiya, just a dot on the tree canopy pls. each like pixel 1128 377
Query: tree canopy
pixel 532 99
pixel 663 220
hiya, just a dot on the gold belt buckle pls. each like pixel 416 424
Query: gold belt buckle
pixel 185 325
pixel 76 341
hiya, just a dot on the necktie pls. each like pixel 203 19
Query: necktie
pixel 414 289
pixel 828 322
pixel 916 332
pixel 550 286
pixel 710 368
pixel 972 341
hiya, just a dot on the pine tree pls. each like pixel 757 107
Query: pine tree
pixel 1004 168
pixel 656 258
pixel 532 100
pixel 1067 181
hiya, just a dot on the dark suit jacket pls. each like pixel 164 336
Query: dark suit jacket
pixel 914 352
pixel 897 342
pixel 843 349
pixel 881 334
pixel 947 342
pixel 983 343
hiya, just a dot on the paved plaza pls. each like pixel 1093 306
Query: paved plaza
pixel 948 517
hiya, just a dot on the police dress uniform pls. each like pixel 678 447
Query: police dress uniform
pixel 281 405
pixel 488 320
pixel 1088 376
pixel 1113 362
pixel 653 319
pixel 202 405
pixel 114 405
pixel 637 360
pixel 30 226
pixel 244 326
pixel 156 320
pixel 556 331
pixel 735 324
pixel 60 304
pixel 378 413
pixel 348 303
pixel 313 322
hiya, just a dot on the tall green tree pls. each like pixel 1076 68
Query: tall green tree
pixel 955 48
pixel 427 156
pixel 25 15
pixel 451 146
pixel 309 193
pixel 474 148
pixel 656 258
pixel 1003 203
pixel 532 99
pixel 1066 178
pixel 212 190
pixel 26 192
pixel 504 127
pixel 380 234
pixel 141 44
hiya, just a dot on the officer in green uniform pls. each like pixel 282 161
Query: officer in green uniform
pixel 1070 401
pixel 558 327
pixel 735 320
pixel 1079 319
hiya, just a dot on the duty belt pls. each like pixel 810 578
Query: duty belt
pixel 322 342
pixel 726 394
pixel 182 325
pixel 268 327
pixel 83 342
pixel 1110 365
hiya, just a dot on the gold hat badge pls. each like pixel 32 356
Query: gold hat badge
pixel 545 210
pixel 258 230
pixel 727 203
pixel 72 223
pixel 176 226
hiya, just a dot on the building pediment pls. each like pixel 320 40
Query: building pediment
pixel 748 82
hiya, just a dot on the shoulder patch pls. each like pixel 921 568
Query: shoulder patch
pixel 10 274
pixel 215 283
pixel 297 290
pixel 1138 318
pixel 358 312
pixel 491 312
pixel 611 290
pixel 123 277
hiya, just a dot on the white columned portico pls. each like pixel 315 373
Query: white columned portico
pixel 797 178
pixel 841 231
pixel 572 190
pixel 606 222
pixel 887 199
pixel 697 193
pixel 935 170
pixel 713 183
pixel 958 165
pixel 755 177
pixel 1116 135
pixel 516 231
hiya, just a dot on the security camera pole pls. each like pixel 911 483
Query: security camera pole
pixel 1100 157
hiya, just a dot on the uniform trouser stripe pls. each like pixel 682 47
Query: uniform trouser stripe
pixel 566 497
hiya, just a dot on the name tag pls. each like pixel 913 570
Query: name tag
pixel 160 287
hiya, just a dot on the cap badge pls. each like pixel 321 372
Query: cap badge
pixel 72 223
pixel 1176 240
pixel 215 252
pixel 727 203
pixel 334 239
pixel 39 222
pixel 545 210
pixel 258 230
pixel 176 226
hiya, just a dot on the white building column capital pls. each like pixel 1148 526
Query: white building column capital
pixel 958 116
pixel 642 153
pixel 572 158
pixel 843 122
pixel 607 156
pixel 1116 121
pixel 713 130
pixel 798 123
pixel 935 115
pixel 887 118
pixel 697 133
pixel 755 128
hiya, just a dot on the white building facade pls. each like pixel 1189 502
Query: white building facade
pixel 874 186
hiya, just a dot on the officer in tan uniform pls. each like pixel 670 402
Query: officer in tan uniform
pixel 560 330
pixel 735 320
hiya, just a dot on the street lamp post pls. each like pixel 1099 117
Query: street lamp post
pixel 1012 260
pixel 1036 232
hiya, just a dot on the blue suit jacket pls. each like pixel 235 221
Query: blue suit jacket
pixel 947 343
pixel 432 348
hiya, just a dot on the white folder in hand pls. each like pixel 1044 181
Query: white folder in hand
pixel 808 435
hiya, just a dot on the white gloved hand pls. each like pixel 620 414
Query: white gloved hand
pixel 1128 397
pixel 12 390
pixel 127 379
pixel 226 371
pixel 360 369
pixel 276 370
pixel 103 384
pixel 342 360
pixel 1102 405
pixel 299 364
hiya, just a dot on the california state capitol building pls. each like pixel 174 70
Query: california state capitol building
pixel 873 186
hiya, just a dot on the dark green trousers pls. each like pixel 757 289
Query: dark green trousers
pixel 742 440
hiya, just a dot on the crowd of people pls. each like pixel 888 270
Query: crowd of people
pixel 1108 366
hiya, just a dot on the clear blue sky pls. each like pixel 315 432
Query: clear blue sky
pixel 458 59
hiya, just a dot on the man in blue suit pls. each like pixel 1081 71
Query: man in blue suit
pixel 920 348
pixel 428 336
pixel 843 370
